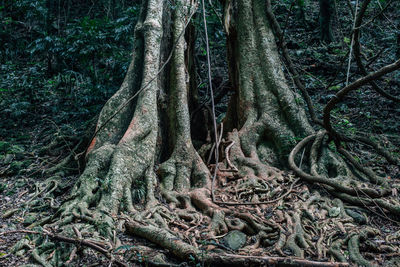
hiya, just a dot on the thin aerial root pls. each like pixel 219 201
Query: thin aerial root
pixel 227 150
pixel 351 87
pixel 277 29
pixel 357 52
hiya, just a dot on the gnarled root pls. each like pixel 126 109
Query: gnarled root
pixel 355 191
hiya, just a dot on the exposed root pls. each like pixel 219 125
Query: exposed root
pixel 182 172
pixel 184 251
pixel 354 251
pixel 37 252
pixel 356 192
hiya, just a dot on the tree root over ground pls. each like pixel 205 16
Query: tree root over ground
pixel 303 228
pixel 300 228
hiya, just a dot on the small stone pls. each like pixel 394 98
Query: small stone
pixel 334 212
pixel 234 240
pixel 29 219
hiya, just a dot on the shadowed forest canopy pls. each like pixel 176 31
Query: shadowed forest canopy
pixel 200 133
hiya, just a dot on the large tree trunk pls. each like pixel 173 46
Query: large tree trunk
pixel 143 145
pixel 268 113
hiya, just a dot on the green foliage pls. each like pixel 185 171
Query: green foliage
pixel 335 88
pixel 61 57
pixel 138 191
pixel 346 126
pixel 301 3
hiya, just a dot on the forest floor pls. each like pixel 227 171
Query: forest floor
pixel 35 138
